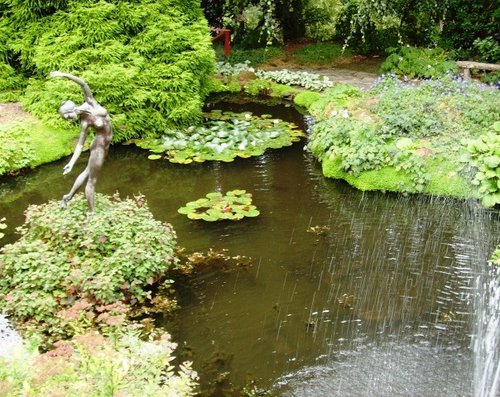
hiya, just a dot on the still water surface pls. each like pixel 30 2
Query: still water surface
pixel 377 302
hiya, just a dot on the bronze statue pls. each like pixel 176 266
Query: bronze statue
pixel 91 114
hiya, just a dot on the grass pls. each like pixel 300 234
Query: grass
pixel 320 54
pixel 48 143
pixel 51 143
pixel 257 57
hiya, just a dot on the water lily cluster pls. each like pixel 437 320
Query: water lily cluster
pixel 223 137
pixel 234 205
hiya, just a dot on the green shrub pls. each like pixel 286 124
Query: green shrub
pixel 68 267
pixel 485 157
pixel 495 257
pixel 488 49
pixel 148 62
pixel 418 62
pixel 93 365
pixel 406 128
pixel 320 18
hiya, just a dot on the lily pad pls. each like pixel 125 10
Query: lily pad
pixel 223 137
pixel 234 205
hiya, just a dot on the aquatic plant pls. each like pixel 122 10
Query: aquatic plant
pixel 234 205
pixel 93 365
pixel 223 137
pixel 68 272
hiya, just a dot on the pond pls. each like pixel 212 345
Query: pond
pixel 349 293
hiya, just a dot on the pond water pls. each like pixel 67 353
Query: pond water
pixel 349 293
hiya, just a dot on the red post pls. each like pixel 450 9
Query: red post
pixel 226 34
pixel 227 42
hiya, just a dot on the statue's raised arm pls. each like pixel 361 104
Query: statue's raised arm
pixel 91 115
pixel 86 89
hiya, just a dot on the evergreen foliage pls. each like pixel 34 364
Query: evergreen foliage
pixel 148 62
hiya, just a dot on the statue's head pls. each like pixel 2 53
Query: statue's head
pixel 68 111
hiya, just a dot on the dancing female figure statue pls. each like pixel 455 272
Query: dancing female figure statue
pixel 91 114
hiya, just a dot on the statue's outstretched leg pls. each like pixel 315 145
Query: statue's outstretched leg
pixel 78 183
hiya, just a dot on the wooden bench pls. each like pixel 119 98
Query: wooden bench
pixel 466 66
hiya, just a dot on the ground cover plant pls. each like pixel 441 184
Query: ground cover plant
pixel 93 365
pixel 69 272
pixel 307 80
pixel 411 62
pixel 380 140
pixel 234 205
pixel 484 155
pixel 327 54
pixel 27 144
pixel 223 137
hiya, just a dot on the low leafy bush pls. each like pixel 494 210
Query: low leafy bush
pixel 69 271
pixel 418 62
pixel 405 127
pixel 93 365
pixel 310 81
pixel 488 49
pixel 234 69
pixel 485 157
